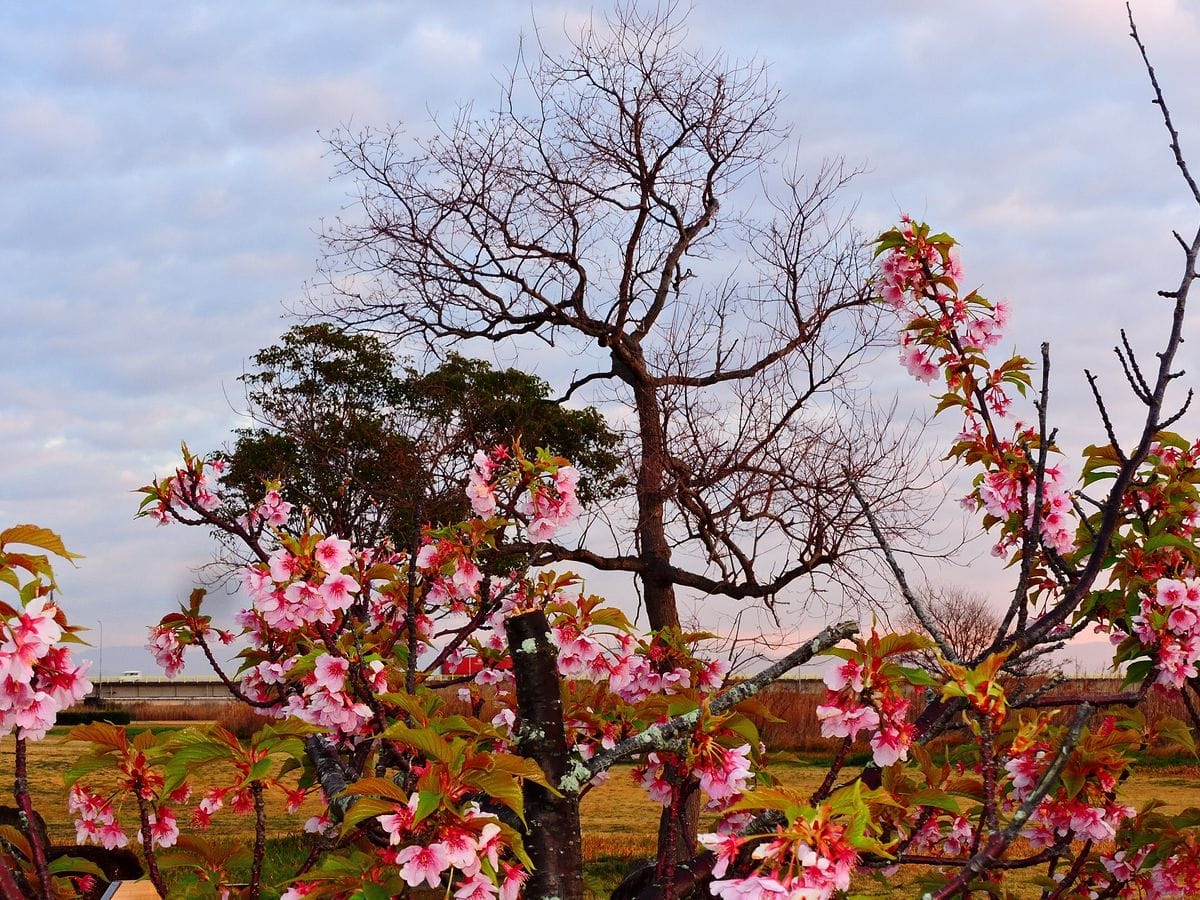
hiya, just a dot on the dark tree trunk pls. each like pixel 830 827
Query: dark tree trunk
pixel 653 550
pixel 676 832
pixel 552 837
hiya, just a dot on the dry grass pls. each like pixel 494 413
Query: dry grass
pixel 800 731
pixel 239 718
pixel 796 704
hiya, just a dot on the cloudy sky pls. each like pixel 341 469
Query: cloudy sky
pixel 163 180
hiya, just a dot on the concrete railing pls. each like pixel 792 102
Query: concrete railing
pixel 146 688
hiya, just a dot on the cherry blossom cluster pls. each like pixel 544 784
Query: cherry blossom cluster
pixel 811 858
pixel 448 568
pixel 171 636
pixel 1089 813
pixel 95 822
pixel 1169 621
pixel 325 701
pixel 1161 492
pixel 1146 872
pixel 468 852
pixel 635 668
pixel 723 772
pixel 1005 492
pixel 546 487
pixel 551 507
pixel 946 333
pixel 862 697
pixel 37 676
pixel 1060 816
pixel 273 510
pixel 192 485
pixel 166 648
pixel 1157 565
pixel 950 836
pixel 96 819
pixel 919 275
pixel 296 588
pixel 240 801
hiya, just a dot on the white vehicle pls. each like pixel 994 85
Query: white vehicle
pixel 131 673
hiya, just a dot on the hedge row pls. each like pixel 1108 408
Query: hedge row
pixel 87 716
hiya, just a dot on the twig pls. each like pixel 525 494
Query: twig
pixel 1072 873
pixel 656 735
pixel 1162 105
pixel 1133 372
pixel 983 860
pixel 906 592
pixel 836 766
pixel 1032 538
pixel 260 840
pixel 139 787
pixel 8 886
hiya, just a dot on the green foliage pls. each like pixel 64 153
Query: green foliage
pixel 375 450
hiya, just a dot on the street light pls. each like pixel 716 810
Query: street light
pixel 100 664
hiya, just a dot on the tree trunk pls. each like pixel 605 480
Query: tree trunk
pixel 653 550
pixel 676 833
pixel 552 837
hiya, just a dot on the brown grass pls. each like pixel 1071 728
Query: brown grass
pixel 239 718
pixel 800 731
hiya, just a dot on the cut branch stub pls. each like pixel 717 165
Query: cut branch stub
pixel 552 834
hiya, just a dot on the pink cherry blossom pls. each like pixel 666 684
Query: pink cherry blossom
pixel 725 847
pixel 460 849
pixel 838 721
pixel 753 887
pixel 111 836
pixel 514 879
pixel 488 845
pixel 481 495
pixel 891 745
pixel 319 824
pixel 330 672
pixel 840 675
pixel 919 364
pixel 397 824
pixel 726 781
pixel 426 864
pixel 164 830
pixel 168 652
pixel 333 554
pixel 337 591
pixel 477 887
pixel 284 566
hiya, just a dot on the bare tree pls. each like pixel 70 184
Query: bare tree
pixel 967 623
pixel 624 219
pixel 637 218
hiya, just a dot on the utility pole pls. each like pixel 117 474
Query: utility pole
pixel 100 665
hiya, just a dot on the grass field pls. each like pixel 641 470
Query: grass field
pixel 619 821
